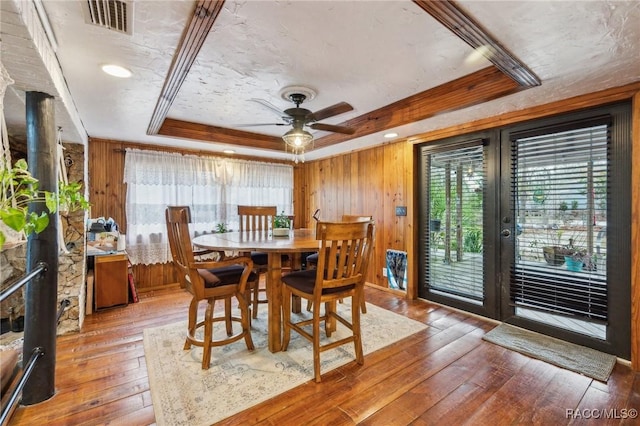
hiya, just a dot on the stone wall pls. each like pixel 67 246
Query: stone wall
pixel 71 265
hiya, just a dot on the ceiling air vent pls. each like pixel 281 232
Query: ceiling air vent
pixel 115 15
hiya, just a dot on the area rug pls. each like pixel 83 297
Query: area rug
pixel 184 394
pixel 589 362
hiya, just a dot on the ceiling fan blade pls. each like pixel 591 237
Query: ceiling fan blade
pixel 260 124
pixel 327 112
pixel 332 128
pixel 270 106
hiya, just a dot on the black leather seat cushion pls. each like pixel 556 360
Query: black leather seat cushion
pixel 259 258
pixel 305 281
pixel 224 276
pixel 312 258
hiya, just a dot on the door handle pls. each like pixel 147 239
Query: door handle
pixel 506 232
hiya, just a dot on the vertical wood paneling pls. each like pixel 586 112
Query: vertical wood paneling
pixel 368 182
pixel 107 192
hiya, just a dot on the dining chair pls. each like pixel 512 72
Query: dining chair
pixel 197 252
pixel 312 259
pixel 211 281
pixel 344 256
pixel 258 219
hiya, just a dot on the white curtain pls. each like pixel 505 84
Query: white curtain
pixel 212 187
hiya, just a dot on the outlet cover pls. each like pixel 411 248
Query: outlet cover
pixel 384 272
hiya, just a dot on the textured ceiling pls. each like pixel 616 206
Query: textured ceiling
pixel 367 53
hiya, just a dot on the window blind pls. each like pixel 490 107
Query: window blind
pixel 455 261
pixel 559 192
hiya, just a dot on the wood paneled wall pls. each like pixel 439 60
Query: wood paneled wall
pixel 369 182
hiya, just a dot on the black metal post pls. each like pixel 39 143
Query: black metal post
pixel 42 292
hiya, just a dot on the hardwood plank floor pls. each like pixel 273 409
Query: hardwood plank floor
pixel 444 374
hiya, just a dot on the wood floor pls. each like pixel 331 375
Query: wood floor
pixel 443 375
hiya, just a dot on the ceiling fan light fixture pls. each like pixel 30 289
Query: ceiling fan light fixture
pixel 297 138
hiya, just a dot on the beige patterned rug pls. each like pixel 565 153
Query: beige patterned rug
pixel 586 361
pixel 184 394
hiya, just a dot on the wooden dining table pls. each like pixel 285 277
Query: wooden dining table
pixel 298 241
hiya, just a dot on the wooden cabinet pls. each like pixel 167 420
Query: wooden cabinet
pixel 110 280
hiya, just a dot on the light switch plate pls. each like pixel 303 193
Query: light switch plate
pixel 401 210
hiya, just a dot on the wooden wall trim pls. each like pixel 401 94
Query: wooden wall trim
pixel 412 239
pixel 121 146
pixel 575 103
pixel 635 233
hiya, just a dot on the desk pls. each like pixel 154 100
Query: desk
pixel 299 240
pixel 107 279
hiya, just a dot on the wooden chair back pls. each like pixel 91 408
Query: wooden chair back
pixel 355 218
pixel 177 218
pixel 256 218
pixel 344 254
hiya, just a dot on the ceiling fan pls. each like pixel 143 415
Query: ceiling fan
pixel 299 117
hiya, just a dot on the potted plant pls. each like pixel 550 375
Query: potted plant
pixel 281 225
pixel 19 188
pixel 575 259
pixel 573 256
pixel 554 252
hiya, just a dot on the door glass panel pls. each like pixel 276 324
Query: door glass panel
pixel 455 255
pixel 559 192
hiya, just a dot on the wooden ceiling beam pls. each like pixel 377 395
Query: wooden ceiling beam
pixel 473 89
pixel 508 75
pixel 451 16
pixel 481 86
pixel 193 37
pixel 209 133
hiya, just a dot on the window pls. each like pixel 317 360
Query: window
pixel 212 187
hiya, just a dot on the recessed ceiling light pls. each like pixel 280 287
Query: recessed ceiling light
pixel 390 135
pixel 229 151
pixel 116 71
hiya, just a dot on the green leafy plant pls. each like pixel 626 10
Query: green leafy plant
pixel 473 240
pixel 281 221
pixel 71 198
pixel 19 188
pixel 437 198
pixel 221 228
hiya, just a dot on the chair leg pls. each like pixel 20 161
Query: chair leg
pixel 193 319
pixel 363 304
pixel 355 323
pixel 208 335
pixel 286 317
pixel 245 321
pixel 256 291
pixel 316 343
pixel 247 299
pixel 227 316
